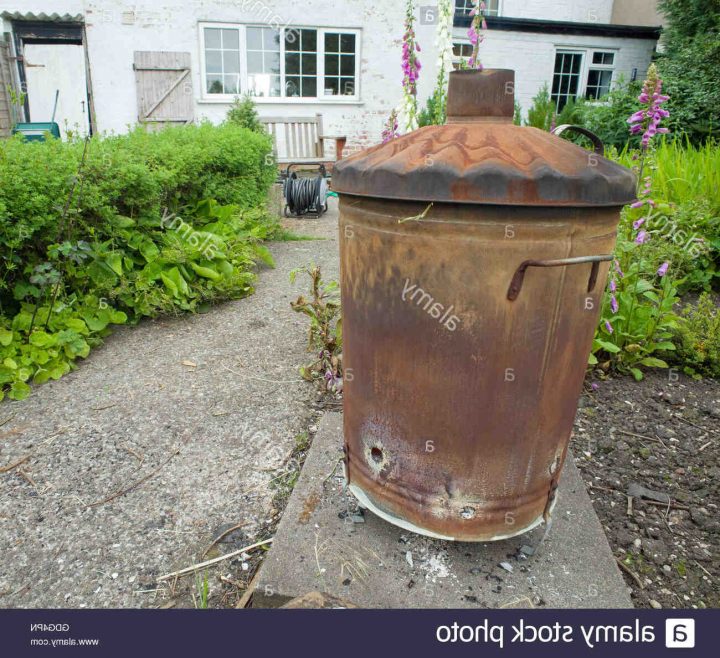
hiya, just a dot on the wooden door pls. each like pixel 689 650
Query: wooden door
pixel 9 114
pixel 164 88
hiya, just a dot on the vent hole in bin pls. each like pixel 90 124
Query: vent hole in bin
pixel 376 454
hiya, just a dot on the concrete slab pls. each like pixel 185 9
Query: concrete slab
pixel 325 543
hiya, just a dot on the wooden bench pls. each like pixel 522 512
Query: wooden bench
pixel 300 140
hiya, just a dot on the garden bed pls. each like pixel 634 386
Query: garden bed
pixel 660 434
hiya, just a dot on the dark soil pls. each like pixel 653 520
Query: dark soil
pixel 663 434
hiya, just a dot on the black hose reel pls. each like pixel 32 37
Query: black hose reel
pixel 305 195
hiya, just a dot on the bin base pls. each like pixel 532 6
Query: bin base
pixel 366 502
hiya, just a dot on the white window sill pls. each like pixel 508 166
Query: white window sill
pixel 259 100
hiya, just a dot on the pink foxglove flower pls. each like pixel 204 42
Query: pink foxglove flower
pixel 608 327
pixel 642 237
pixel 647 121
pixel 662 270
pixel 614 304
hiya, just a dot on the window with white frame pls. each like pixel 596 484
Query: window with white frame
pixel 600 73
pixel 464 7
pixel 580 73
pixel 285 63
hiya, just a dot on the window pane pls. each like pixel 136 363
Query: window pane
pixel 347 86
pixel 262 84
pixel 292 86
pixel 332 86
pixel 593 78
pixel 212 37
pixel 347 65
pixel 308 40
pixel 292 39
pixel 292 63
pixel 254 38
pixel 332 65
pixel 309 64
pixel 231 61
pixel 231 84
pixel 309 86
pixel 332 43
pixel 272 62
pixel 231 39
pixel 214 84
pixel 255 62
pixel 347 43
pixel 271 39
pixel 213 61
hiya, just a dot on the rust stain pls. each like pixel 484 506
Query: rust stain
pixel 309 506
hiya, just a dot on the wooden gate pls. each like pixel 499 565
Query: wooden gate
pixel 7 82
pixel 164 88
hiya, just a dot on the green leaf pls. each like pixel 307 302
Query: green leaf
pixel 118 317
pixel 149 250
pixel 96 324
pixel 206 272
pixel 41 339
pixel 76 324
pixel 114 261
pixel 592 360
pixel 6 336
pixel 19 391
pixel 652 362
pixel 10 363
pixel 665 345
pixel 607 346
pixel 636 373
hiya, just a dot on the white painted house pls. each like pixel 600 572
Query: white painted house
pixel 118 63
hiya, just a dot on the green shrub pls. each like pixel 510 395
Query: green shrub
pixel 243 113
pixel 607 117
pixel 690 66
pixel 139 237
pixel 542 111
pixel 698 338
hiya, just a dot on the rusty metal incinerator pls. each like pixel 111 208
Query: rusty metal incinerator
pixel 473 260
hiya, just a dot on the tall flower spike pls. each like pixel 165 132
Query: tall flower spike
pixel 411 70
pixel 475 35
pixel 647 120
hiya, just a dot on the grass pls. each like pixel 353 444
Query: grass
pixel 203 589
pixel 683 173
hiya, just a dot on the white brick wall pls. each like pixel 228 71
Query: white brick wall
pixel 173 25
pixel 532 56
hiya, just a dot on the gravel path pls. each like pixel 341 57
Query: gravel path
pixel 203 406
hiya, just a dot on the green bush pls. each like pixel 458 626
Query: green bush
pixel 244 114
pixel 690 66
pixel 698 338
pixel 542 111
pixel 138 237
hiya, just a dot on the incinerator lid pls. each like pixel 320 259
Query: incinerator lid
pixel 481 157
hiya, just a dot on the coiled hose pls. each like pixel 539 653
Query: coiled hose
pixel 305 195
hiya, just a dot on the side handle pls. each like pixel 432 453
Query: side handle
pixel 519 276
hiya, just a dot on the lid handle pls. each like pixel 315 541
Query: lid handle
pixel 597 142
